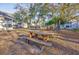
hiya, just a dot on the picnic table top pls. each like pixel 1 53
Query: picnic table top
pixel 41 32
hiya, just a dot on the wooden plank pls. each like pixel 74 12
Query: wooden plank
pixel 40 32
pixel 40 42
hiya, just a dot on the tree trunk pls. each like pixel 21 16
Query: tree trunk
pixel 29 23
pixel 58 26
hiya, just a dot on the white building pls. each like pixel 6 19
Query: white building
pixel 73 24
pixel 6 21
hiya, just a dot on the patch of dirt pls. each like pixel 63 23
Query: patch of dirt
pixel 9 45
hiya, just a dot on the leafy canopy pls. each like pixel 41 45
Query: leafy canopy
pixel 55 20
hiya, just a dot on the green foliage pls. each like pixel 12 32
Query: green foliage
pixel 54 20
pixel 62 12
pixel 17 17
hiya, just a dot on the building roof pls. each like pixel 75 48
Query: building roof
pixel 6 15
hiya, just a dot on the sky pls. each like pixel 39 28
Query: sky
pixel 7 7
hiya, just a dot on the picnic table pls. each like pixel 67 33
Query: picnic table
pixel 40 34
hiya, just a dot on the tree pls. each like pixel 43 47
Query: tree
pixel 65 11
pixel 41 11
pixel 21 15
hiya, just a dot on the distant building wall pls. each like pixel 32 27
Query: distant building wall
pixel 70 25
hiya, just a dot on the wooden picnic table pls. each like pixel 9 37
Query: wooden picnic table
pixel 40 34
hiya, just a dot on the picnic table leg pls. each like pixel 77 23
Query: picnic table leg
pixel 46 38
pixel 30 35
